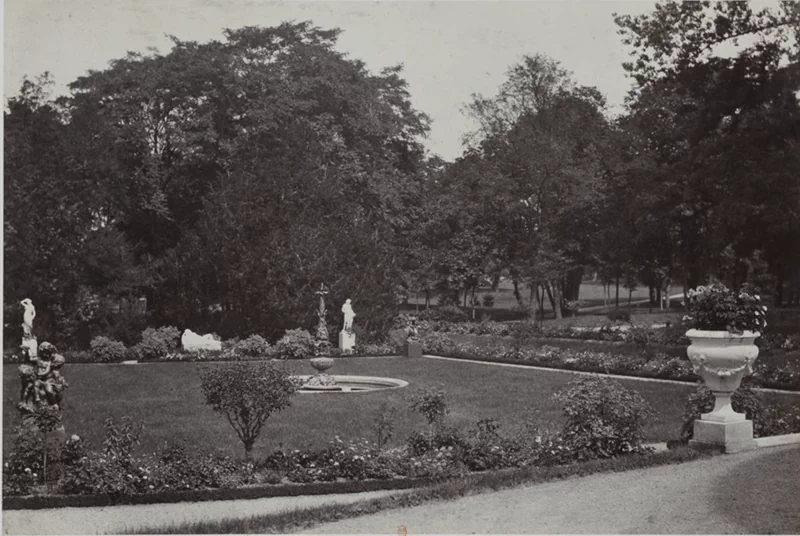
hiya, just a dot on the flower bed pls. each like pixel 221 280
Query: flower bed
pixel 659 365
pixel 671 335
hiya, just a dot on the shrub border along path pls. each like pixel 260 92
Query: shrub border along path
pixel 297 520
pixel 585 373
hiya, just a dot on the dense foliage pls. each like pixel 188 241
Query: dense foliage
pixel 716 307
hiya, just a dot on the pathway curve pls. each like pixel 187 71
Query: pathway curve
pixel 116 519
pixel 756 492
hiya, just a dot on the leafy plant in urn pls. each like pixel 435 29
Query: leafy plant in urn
pixel 725 324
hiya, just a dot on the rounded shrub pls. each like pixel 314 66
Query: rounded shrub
pixel 157 343
pixel 295 344
pixel 253 346
pixel 603 418
pixel 105 350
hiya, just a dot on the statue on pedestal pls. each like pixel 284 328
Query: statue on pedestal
pixel 347 339
pixel 41 382
pixel 349 315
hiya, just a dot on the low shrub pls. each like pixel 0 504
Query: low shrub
pixel 619 315
pixel 157 343
pixel 105 350
pixel 255 346
pixel 488 300
pixel 295 344
pixel 446 313
pixel 603 418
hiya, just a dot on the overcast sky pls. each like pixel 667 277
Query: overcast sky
pixel 450 49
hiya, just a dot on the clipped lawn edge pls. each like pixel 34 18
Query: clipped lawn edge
pixel 570 367
pixel 295 520
pixel 39 502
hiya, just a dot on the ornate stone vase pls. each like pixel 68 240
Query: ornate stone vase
pixel 321 364
pixel 722 359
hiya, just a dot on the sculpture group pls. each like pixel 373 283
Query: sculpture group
pixel 41 382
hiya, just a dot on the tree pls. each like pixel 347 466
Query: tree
pixel 545 136
pixel 223 180
pixel 721 132
pixel 247 394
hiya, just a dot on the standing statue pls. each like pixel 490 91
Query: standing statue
pixel 27 317
pixel 349 315
pixel 29 345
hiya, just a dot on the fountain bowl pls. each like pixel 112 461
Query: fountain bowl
pixel 321 364
pixel 352 384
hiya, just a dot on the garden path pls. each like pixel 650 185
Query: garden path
pixel 755 492
pixel 122 518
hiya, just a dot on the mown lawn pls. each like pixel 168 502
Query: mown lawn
pixel 167 397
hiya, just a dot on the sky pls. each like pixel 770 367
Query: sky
pixel 450 50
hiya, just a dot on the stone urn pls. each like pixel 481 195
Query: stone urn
pixel 722 359
pixel 321 364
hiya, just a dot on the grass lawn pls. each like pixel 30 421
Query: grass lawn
pixel 167 397
pixel 591 292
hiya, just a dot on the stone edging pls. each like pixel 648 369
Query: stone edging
pixel 583 373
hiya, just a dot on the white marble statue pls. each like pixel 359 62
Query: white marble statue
pixel 349 315
pixel 27 317
pixel 192 342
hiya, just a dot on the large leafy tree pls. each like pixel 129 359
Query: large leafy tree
pixel 238 175
pixel 718 120
pixel 546 135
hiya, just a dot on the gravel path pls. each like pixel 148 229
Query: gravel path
pixel 755 492
pixel 116 519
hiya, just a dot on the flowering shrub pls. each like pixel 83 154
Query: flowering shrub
pixel 716 307
pixel 105 350
pixel 295 344
pixel 603 418
pixel 157 343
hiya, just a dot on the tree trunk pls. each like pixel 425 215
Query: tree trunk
pixel 658 298
pixel 473 301
pixel 516 292
pixel 427 299
pixel 550 296
pixel 778 291
pixel 617 298
pixel 541 304
pixel 667 288
pixel 630 296
pixel 572 289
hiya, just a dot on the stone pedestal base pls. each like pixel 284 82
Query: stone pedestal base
pixel 727 435
pixel 347 341
pixel 413 349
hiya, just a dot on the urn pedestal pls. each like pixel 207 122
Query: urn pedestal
pixel 413 349
pixel 347 341
pixel 722 359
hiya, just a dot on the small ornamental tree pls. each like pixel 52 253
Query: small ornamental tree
pixel 247 394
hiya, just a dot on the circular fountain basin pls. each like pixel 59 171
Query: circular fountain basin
pixel 353 384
